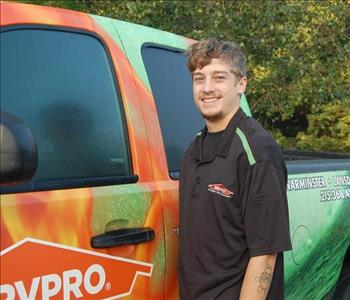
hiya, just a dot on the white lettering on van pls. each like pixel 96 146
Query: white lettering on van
pixel 72 287
pixel 343 180
pixel 9 290
pixel 52 284
pixel 56 284
pixel 21 290
pixel 305 183
pixel 87 279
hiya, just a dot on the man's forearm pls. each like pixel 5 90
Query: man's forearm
pixel 258 277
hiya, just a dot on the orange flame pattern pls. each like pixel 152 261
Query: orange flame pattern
pixel 65 216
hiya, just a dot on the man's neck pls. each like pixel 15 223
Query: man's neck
pixel 219 125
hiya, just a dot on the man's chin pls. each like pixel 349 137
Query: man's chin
pixel 212 117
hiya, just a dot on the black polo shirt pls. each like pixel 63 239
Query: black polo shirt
pixel 233 206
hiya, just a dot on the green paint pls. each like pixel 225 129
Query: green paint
pixel 120 206
pixel 134 36
pixel 158 259
pixel 321 232
pixel 107 25
pixel 246 146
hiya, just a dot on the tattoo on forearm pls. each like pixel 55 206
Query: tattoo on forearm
pixel 264 279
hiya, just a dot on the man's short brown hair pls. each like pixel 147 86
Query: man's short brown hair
pixel 201 53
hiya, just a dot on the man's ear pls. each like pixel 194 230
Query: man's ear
pixel 242 84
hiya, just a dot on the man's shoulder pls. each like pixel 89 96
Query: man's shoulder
pixel 257 142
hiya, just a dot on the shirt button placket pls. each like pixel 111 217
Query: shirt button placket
pixel 196 187
pixel 195 191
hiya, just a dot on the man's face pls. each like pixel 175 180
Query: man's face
pixel 216 90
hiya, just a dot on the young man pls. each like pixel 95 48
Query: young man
pixel 234 222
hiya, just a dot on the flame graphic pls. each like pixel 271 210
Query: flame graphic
pixel 55 216
pixel 65 216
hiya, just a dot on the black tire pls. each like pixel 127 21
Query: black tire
pixel 342 291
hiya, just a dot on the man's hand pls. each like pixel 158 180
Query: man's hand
pixel 258 277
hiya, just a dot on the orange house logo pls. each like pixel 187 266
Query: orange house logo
pixel 38 269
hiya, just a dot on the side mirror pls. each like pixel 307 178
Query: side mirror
pixel 18 151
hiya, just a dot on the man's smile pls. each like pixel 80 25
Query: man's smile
pixel 210 99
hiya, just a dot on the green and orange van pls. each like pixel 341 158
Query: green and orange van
pixel 95 115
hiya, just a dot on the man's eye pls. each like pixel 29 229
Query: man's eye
pixel 198 79
pixel 219 78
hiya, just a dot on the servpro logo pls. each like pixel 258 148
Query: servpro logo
pixel 34 269
pixel 69 281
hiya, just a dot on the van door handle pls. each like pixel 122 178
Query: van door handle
pixel 125 236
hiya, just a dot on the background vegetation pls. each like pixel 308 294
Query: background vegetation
pixel 298 54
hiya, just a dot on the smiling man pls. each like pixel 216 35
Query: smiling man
pixel 234 222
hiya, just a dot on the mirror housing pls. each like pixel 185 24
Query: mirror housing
pixel 18 151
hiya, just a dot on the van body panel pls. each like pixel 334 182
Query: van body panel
pixel 319 210
pixel 71 217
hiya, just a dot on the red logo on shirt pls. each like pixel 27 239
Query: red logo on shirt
pixel 220 189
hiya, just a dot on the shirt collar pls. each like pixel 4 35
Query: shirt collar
pixel 223 145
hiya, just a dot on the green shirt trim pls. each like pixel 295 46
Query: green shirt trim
pixel 246 146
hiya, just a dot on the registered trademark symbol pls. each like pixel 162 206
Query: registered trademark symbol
pixel 108 286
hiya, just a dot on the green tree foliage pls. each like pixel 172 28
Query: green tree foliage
pixel 298 54
pixel 329 129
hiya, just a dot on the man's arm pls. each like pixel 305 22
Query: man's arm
pixel 258 277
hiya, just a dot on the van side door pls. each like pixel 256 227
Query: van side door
pixel 89 223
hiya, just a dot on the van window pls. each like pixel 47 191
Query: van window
pixel 171 86
pixel 60 84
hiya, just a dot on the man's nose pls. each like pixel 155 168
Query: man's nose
pixel 208 86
